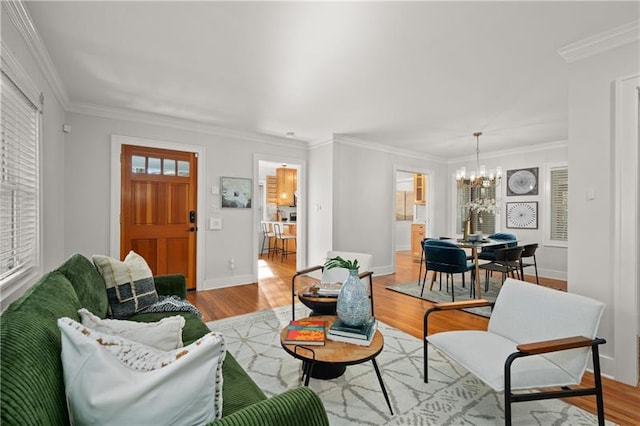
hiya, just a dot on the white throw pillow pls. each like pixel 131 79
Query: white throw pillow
pixel 130 285
pixel 165 334
pixel 110 380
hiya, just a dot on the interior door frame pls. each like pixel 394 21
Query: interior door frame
pixel 116 177
pixel 429 173
pixel 301 220
pixel 626 230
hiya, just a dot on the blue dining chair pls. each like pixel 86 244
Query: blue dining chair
pixel 488 253
pixel 442 241
pixel 446 257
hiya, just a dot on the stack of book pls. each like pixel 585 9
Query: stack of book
pixel 305 332
pixel 324 290
pixel 329 289
pixel 362 335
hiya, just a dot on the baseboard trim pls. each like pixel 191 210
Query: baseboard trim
pixel 223 282
pixel 548 273
pixel 382 270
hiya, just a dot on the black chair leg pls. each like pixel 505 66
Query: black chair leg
pixel 420 270
pixel 423 283
pixel 453 297
pixel 598 384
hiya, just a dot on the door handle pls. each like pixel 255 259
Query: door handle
pixel 193 229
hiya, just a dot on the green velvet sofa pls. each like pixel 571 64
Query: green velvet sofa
pixel 31 378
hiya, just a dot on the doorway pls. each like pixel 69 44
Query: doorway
pixel 191 264
pixel 280 198
pixel 158 212
pixel 412 212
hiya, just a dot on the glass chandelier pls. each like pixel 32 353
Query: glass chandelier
pixel 479 178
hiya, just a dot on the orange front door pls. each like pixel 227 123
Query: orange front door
pixel 158 211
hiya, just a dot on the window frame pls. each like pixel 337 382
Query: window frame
pixel 32 267
pixel 548 169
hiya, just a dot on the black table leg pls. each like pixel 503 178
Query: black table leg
pixel 308 367
pixel 384 390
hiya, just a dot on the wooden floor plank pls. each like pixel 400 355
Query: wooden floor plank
pixel 622 402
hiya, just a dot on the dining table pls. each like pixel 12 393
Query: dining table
pixel 474 246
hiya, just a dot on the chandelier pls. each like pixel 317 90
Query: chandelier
pixel 479 178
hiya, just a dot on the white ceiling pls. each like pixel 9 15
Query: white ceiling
pixel 420 76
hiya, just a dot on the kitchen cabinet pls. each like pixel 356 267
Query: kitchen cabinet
pixel 419 188
pixel 287 185
pixel 272 190
pixel 417 235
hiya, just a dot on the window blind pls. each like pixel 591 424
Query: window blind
pixel 559 226
pixel 19 182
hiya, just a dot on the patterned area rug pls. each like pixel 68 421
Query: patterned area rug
pixel 452 397
pixel 436 295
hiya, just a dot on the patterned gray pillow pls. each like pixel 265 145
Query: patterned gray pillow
pixel 130 286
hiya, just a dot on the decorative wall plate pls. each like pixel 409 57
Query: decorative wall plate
pixel 522 215
pixel 522 181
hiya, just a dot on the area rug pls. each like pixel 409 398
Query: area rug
pixel 436 295
pixel 453 396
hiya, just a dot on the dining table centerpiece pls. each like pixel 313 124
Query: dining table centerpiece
pixel 476 206
pixel 353 306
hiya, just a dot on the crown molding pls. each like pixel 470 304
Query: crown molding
pixel 511 151
pixel 180 123
pixel 387 149
pixel 320 142
pixel 601 42
pixel 21 19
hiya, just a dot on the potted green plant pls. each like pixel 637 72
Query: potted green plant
pixel 353 306
pixel 339 262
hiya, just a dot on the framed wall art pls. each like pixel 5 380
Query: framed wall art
pixel 522 215
pixel 522 181
pixel 236 192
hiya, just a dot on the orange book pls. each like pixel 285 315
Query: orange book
pixel 306 332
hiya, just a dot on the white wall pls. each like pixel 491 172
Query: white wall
pixel 87 174
pixel 320 204
pixel 552 261
pixel 52 162
pixel 364 199
pixel 591 136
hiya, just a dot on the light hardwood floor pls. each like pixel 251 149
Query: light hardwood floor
pixel 622 402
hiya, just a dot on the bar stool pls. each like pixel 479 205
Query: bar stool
pixel 284 239
pixel 266 238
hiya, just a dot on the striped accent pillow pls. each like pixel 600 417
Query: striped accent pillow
pixel 130 286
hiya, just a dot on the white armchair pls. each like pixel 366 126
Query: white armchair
pixel 537 338
pixel 335 275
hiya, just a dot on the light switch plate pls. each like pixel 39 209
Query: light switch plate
pixel 215 223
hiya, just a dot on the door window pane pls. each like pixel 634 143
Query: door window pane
pixel 154 166
pixel 183 168
pixel 138 164
pixel 169 167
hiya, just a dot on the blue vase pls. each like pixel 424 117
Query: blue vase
pixel 353 306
